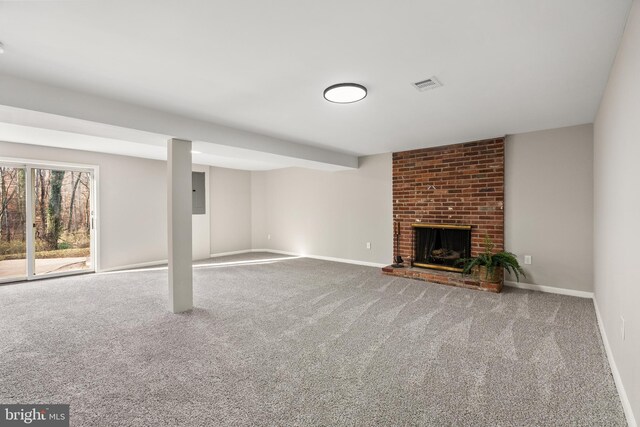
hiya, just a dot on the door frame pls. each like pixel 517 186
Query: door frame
pixel 29 165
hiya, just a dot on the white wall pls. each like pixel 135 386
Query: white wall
pixel 259 210
pixel 133 204
pixel 201 224
pixel 549 205
pixel 132 201
pixel 230 195
pixel 617 209
pixel 332 214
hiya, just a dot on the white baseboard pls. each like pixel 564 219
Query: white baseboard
pixel 219 254
pixel 325 258
pixel 549 289
pixel 134 266
pixel 164 261
pixel 626 405
pixel 275 251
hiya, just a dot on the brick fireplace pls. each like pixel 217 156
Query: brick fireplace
pixel 453 187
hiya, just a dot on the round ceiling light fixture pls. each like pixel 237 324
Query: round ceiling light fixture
pixel 345 93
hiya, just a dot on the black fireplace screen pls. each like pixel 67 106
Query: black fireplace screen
pixel 441 246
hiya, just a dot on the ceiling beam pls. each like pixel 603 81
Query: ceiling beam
pixel 25 94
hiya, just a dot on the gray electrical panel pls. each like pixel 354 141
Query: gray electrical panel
pixel 198 198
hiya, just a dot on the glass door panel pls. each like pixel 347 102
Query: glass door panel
pixel 62 220
pixel 13 214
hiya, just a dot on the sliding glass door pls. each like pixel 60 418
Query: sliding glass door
pixel 13 223
pixel 47 221
pixel 62 220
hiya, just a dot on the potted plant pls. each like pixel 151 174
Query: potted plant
pixel 489 266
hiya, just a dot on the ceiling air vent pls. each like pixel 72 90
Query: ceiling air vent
pixel 427 84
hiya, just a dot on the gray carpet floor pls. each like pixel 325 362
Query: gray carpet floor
pixel 302 342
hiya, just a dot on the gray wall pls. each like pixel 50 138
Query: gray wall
pixel 332 214
pixel 549 205
pixel 230 195
pixel 548 184
pixel 617 209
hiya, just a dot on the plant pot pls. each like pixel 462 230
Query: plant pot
pixel 481 273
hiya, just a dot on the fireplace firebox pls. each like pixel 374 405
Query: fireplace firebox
pixel 440 246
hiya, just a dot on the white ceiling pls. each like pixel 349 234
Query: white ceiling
pixel 507 66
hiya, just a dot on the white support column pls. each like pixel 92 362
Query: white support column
pixel 179 225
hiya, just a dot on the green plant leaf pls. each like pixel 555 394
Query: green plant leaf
pixel 491 261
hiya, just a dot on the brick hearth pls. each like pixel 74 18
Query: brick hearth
pixel 443 278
